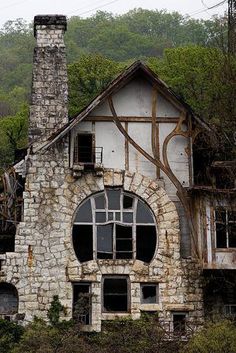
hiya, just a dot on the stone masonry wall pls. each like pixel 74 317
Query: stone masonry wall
pixel 49 96
pixel 44 262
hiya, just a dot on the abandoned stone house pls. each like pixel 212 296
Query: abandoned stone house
pixel 108 205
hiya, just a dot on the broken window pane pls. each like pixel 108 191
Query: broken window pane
pixel 116 239
pixel 145 242
pixel 149 294
pixel 84 213
pixel 100 202
pixel 82 303
pixel 105 241
pixel 115 296
pixel 113 199
pixel 144 214
pixel 83 242
pixel 127 202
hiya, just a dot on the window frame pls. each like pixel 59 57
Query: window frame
pixel 73 138
pixel 227 222
pixel 89 284
pixel 114 277
pixel 149 284
pixel 179 313
pixel 121 211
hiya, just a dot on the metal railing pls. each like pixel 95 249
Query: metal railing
pixel 88 155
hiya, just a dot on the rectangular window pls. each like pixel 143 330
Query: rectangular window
pixel 83 149
pixel 179 323
pixel 230 311
pixel 115 294
pixel 225 226
pixel 149 293
pixel 82 303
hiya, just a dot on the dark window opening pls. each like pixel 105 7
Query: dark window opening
pixel 145 242
pixel 127 202
pixel 83 152
pixel 82 303
pixel 179 323
pixel 115 296
pixel 225 225
pixel 232 228
pixel 7 243
pixel 83 242
pixel 149 294
pixel 219 292
pixel 8 299
pixel 124 245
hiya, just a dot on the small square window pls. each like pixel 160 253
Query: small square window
pixel 149 293
pixel 179 323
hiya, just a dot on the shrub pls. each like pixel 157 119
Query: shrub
pixel 10 333
pixel 219 337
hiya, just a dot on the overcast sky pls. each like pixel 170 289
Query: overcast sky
pixel 27 9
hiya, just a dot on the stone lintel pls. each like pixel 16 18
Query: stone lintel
pixel 50 20
pixel 179 307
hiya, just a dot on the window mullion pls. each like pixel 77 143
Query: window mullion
pixel 114 241
pixel 134 237
pixel 227 228
pixel 94 228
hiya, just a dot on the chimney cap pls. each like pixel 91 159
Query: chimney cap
pixel 50 20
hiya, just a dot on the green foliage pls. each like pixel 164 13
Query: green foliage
pixel 205 78
pixel 219 337
pixel 10 334
pixel 134 336
pixel 54 311
pixel 13 136
pixel 87 77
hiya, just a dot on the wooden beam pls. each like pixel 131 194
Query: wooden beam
pixel 134 119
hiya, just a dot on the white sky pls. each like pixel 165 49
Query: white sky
pixel 27 9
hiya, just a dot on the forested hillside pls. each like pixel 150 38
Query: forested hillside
pixel 187 53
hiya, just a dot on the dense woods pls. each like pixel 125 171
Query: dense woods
pixel 190 55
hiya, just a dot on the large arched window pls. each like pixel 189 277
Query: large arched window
pixel 114 225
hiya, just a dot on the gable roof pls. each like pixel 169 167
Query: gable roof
pixel 137 68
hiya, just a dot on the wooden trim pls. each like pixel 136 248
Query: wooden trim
pixel 155 129
pixel 126 148
pixel 181 192
pixel 136 119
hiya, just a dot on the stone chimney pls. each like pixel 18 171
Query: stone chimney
pixel 48 110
